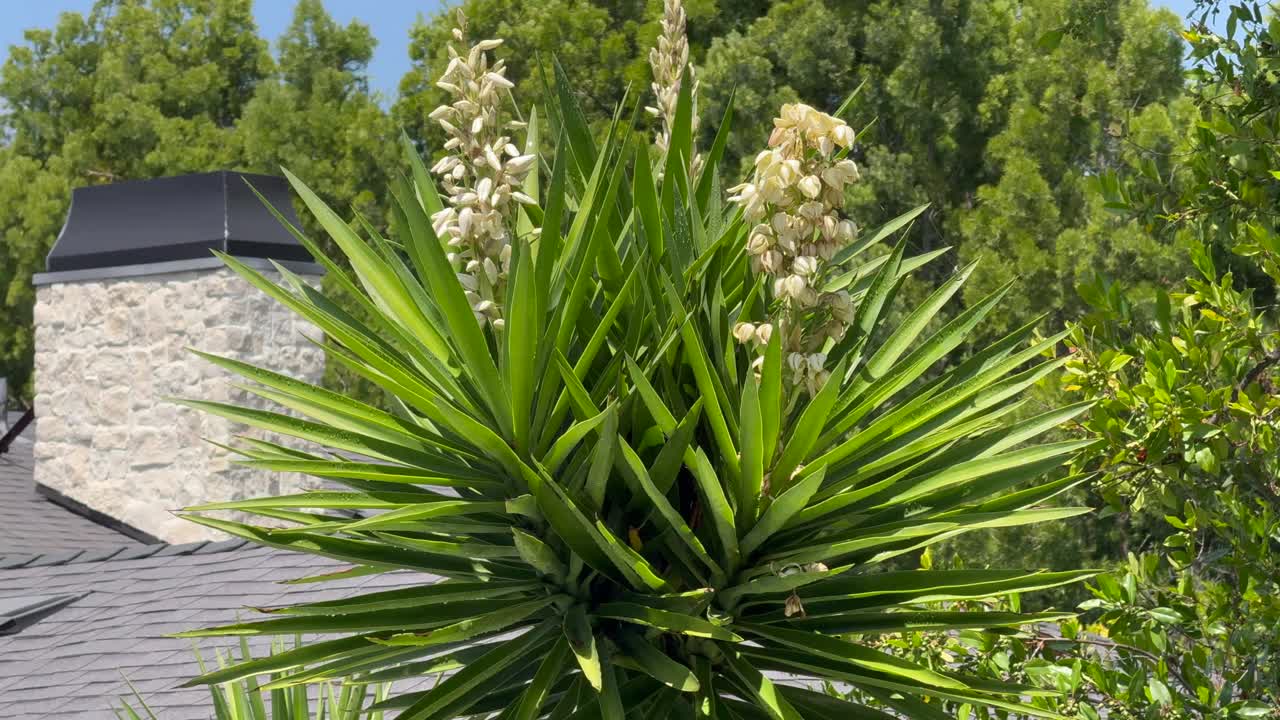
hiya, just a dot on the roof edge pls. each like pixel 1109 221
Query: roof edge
pixel 88 513
pixel 168 267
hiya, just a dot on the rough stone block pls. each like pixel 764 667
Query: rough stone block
pixel 109 352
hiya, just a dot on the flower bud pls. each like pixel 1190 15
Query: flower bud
pixel 520 164
pixel 846 231
pixel 793 606
pixel 810 186
pixel 499 80
pixel 812 210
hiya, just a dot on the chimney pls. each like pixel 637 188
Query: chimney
pixel 131 284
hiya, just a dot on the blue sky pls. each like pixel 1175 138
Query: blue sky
pixel 389 19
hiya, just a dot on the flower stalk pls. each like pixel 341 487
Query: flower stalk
pixel 668 60
pixel 795 201
pixel 480 175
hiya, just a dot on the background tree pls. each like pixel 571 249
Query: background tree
pixel 1085 78
pixel 1187 386
pixel 317 116
pixel 139 89
pixel 1184 375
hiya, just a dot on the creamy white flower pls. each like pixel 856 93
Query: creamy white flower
pixel 520 163
pixel 792 286
pixel 812 210
pixel 805 265
pixel 794 199
pixel 669 61
pixel 475 176
pixel 759 242
pixel 810 186
pixel 499 80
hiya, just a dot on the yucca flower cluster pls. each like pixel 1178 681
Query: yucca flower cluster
pixel 795 201
pixel 668 59
pixel 480 174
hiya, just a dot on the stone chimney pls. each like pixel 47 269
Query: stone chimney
pixel 131 284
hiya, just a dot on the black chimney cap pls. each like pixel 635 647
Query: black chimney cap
pixel 176 218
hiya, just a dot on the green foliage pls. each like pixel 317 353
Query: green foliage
pixel 1223 187
pixel 248 700
pixel 1087 671
pixel 144 89
pixel 1190 417
pixel 1185 381
pixel 1188 414
pixel 616 501
pixel 1070 110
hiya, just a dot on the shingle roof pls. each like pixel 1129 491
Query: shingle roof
pixel 72 662
pixel 32 524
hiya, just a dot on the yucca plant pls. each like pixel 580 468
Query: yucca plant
pixel 244 699
pixel 651 451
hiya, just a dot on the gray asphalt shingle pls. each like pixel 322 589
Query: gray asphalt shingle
pixel 81 654
pixel 31 524
pixel 73 662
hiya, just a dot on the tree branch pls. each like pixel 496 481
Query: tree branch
pixel 1255 372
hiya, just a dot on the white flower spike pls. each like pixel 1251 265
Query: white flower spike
pixel 795 200
pixel 480 175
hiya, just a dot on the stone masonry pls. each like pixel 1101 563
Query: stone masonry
pixel 108 353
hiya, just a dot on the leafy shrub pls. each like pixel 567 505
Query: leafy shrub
pixel 638 427
pixel 1188 407
pixel 1190 419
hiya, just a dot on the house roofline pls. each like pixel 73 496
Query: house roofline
pixel 71 504
pixel 168 267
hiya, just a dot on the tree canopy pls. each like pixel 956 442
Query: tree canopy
pixel 1001 115
pixel 145 89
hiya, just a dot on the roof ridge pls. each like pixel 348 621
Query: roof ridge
pixel 122 552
